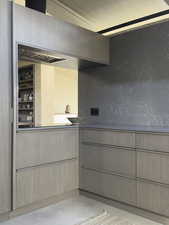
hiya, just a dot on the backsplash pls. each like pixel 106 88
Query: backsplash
pixel 134 89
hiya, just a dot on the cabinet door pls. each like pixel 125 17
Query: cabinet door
pixel 110 186
pixel 156 142
pixel 153 166
pixel 39 147
pixel 153 197
pixel 5 87
pixel 118 160
pixel 39 183
pixel 109 137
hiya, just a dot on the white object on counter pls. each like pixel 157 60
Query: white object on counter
pixel 62 119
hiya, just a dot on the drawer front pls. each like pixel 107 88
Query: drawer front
pixel 39 147
pixel 117 138
pixel 39 183
pixel 153 197
pixel 111 186
pixel 154 142
pixel 153 166
pixel 114 159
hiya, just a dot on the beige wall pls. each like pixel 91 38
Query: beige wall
pixel 59 87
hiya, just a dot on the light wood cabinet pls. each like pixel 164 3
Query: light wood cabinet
pixel 110 186
pixel 39 183
pixel 155 142
pixel 108 137
pixel 118 160
pixel 153 166
pixel 153 197
pixel 40 146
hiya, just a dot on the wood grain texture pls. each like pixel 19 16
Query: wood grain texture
pixel 114 187
pixel 5 86
pixel 153 197
pixel 113 159
pixel 39 183
pixel 39 147
pixel 153 166
pixel 156 142
pixel 117 138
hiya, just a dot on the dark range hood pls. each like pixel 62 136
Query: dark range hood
pixel 37 56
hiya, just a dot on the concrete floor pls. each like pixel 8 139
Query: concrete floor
pixel 72 212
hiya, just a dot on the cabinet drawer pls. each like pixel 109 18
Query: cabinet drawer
pixel 111 186
pixel 153 197
pixel 156 142
pixel 153 166
pixel 39 147
pixel 113 159
pixel 39 183
pixel 117 138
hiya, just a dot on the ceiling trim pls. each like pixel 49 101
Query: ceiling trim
pixel 74 13
pixel 141 19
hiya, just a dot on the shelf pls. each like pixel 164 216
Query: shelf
pixel 25 88
pixel 25 102
pixel 25 81
pixel 25 123
pixel 31 109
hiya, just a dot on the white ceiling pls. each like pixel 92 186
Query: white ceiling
pixel 97 15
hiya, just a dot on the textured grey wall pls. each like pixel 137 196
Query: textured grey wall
pixel 134 90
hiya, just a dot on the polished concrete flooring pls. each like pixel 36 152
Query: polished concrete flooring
pixel 74 211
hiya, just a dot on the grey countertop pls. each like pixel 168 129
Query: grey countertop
pixel 103 126
pixel 48 127
pixel 127 128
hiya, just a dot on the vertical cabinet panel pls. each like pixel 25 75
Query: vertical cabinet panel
pixel 39 183
pixel 114 159
pixel 39 147
pixel 5 87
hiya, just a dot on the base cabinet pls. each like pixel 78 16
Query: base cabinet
pixel 110 186
pixel 117 160
pixel 153 197
pixel 39 183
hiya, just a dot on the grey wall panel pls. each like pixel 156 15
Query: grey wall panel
pixel 45 146
pixel 46 32
pixel 134 90
pixel 39 183
pixel 5 86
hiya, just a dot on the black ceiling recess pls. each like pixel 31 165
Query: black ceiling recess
pixel 142 19
pixel 39 5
